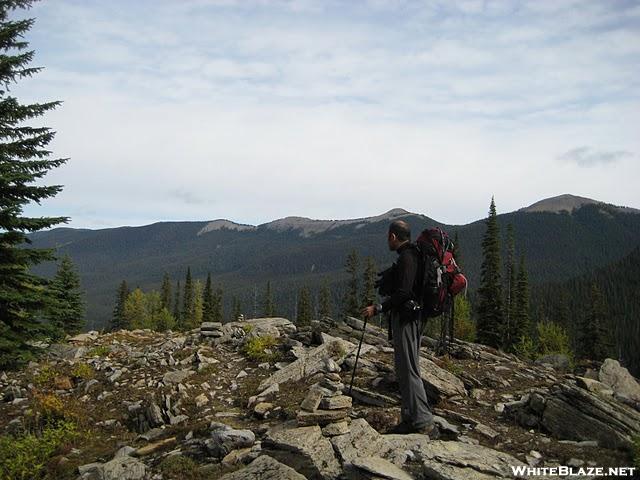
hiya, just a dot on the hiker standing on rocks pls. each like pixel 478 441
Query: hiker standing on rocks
pixel 416 416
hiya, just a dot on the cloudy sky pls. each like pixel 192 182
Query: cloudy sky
pixel 253 110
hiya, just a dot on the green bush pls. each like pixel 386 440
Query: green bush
pixel 261 349
pixel 248 328
pixel 526 348
pixel 25 457
pixel 463 327
pixel 45 376
pixel 100 351
pixel 83 371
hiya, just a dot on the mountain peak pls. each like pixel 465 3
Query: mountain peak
pixel 569 203
pixel 560 203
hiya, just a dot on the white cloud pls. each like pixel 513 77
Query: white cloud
pixel 256 110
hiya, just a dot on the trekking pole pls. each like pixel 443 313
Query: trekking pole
pixel 355 365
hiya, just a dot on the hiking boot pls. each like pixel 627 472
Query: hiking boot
pixel 401 428
pixel 430 429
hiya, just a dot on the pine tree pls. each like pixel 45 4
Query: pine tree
pixel 136 312
pixel 177 314
pixel 490 315
pixel 594 341
pixel 198 307
pixel 218 305
pixel 208 305
pixel 369 280
pixel 165 292
pixel 304 315
pixel 351 301
pixel 66 312
pixel 324 309
pixel 269 305
pixel 521 321
pixel 24 160
pixel 237 309
pixel 118 320
pixel 187 301
pixel 510 289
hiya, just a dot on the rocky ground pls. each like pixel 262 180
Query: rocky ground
pixel 262 399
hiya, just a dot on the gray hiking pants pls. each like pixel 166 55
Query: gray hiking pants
pixel 415 408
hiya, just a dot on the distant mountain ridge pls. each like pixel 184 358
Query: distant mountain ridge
pixel 296 251
pixel 569 203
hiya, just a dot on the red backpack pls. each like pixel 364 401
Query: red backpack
pixel 441 277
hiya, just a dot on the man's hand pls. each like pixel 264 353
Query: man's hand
pixel 368 312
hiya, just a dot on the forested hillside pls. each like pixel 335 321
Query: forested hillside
pixel 571 302
pixel 300 252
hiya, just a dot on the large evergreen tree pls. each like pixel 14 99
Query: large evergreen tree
pixel 66 312
pixel 24 160
pixel 177 313
pixel 594 341
pixel 208 301
pixel 510 290
pixel 165 292
pixel 520 316
pixel 187 301
pixel 351 300
pixel 218 305
pixel 324 307
pixel 269 305
pixel 237 309
pixel 118 319
pixel 304 314
pixel 490 314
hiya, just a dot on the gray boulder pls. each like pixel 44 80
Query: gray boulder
pixel 224 440
pixel 120 468
pixel 304 449
pixel 454 460
pixel 264 468
pixel 575 413
pixel 361 441
pixel 439 382
pixel 619 379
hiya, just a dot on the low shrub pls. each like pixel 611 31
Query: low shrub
pixel 83 371
pixel 248 328
pixel 178 467
pixel 45 376
pixel 100 351
pixel 25 457
pixel 261 349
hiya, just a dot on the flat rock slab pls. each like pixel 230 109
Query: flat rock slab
pixel 176 376
pixel 336 403
pixel 376 467
pixel 574 413
pixel 311 362
pixel 320 417
pixel 333 429
pixel 264 468
pixel 439 382
pixel 449 460
pixel 304 449
pixel 120 468
pixel 361 441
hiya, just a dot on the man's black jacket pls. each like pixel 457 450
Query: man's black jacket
pixel 404 281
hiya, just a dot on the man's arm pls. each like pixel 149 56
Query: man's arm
pixel 406 275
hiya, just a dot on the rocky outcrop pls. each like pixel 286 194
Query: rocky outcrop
pixel 619 379
pixel 448 460
pixel 264 468
pixel 303 448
